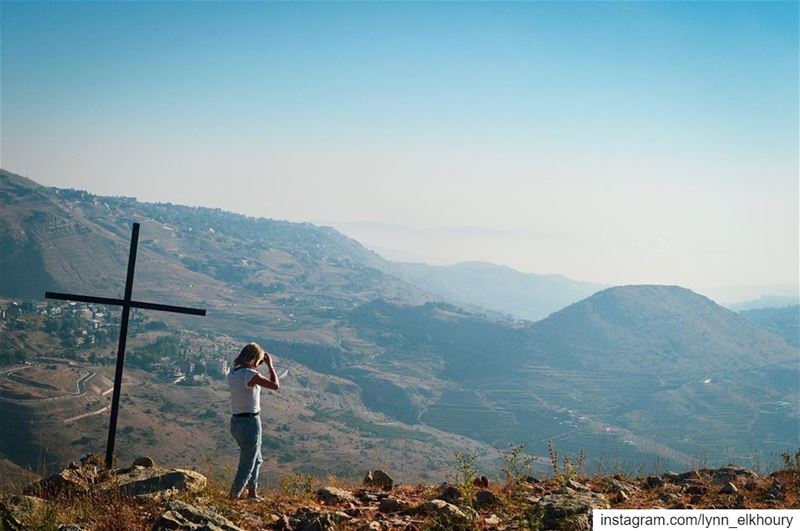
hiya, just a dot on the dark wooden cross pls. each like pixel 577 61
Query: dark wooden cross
pixel 126 304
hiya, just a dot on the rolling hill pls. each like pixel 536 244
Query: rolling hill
pixel 633 374
pixel 783 322
pixel 638 372
pixel 497 288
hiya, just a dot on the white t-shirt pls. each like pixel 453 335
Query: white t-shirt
pixel 244 398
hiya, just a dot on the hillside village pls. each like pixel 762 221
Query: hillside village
pixel 88 333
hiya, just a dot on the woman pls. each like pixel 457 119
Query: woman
pixel 245 383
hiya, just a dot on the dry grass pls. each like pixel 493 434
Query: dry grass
pixel 109 511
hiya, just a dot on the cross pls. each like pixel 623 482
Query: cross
pixel 126 304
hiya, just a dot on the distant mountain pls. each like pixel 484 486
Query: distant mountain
pixel 634 373
pixel 498 288
pixel 783 322
pixel 663 328
pixel 656 371
pixel 766 301
pixel 244 269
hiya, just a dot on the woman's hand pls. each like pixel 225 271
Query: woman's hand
pixel 267 359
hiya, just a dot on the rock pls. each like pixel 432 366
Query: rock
pixel 569 511
pixel 393 505
pixel 450 494
pixel 283 523
pixel 481 482
pixel 333 495
pixel 623 486
pixel 574 485
pixel 378 479
pixel 652 482
pixel 486 498
pixel 695 499
pixel 669 476
pixel 728 474
pixel 69 482
pixel 21 507
pixel 372 526
pixel 620 496
pixel 9 521
pixel 181 515
pixel 306 519
pixel 697 490
pixel 448 515
pixel 669 497
pixel 138 481
pixel 729 488
pixel 70 527
pixel 492 520
pixel 751 485
pixel 144 461
pixel 776 490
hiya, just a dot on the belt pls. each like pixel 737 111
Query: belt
pixel 246 414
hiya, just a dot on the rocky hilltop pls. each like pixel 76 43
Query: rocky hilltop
pixel 147 496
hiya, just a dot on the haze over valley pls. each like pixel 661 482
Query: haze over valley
pixel 388 362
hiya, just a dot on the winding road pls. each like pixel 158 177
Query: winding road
pixel 80 386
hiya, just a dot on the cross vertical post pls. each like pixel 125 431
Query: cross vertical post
pixel 123 337
pixel 127 303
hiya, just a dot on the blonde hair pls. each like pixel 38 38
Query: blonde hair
pixel 251 354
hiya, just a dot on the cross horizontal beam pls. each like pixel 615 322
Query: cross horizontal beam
pixel 121 302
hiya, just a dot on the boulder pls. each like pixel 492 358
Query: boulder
pixel 652 482
pixel 378 479
pixel 620 496
pixel 21 507
pixel 481 482
pixel 448 515
pixel 697 490
pixel 307 519
pixel 69 482
pixel 577 486
pixel 729 488
pixel 450 494
pixel 138 481
pixel 623 486
pixel 727 474
pixel 569 511
pixel 183 516
pixel 144 461
pixel 486 498
pixel 333 495
pixel 669 497
pixel 8 520
pixel 393 505
pixel 776 491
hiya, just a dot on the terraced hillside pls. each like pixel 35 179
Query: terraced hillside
pixel 379 370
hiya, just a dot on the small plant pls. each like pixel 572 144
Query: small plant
pixel 517 465
pixel 791 462
pixel 465 475
pixel 297 484
pixel 567 470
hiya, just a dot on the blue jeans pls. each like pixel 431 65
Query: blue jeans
pixel 247 432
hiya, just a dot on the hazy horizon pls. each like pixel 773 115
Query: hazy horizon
pixel 611 143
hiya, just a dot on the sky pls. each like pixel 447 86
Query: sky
pixel 614 142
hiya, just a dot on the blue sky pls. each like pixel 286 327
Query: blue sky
pixel 640 142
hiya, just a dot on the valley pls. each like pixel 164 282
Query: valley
pixel 380 370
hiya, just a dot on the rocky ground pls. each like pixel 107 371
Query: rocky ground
pixel 146 496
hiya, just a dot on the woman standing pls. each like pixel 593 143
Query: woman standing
pixel 245 383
